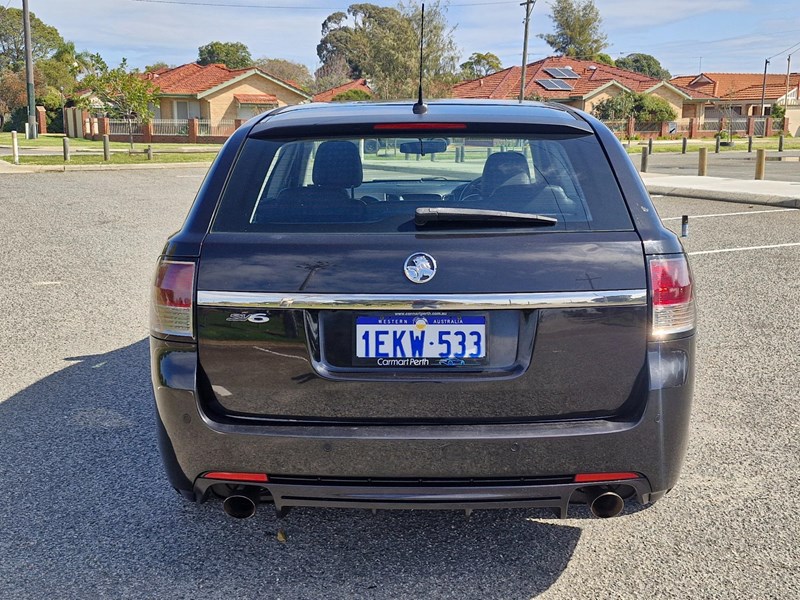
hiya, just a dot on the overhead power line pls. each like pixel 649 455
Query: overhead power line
pixel 295 7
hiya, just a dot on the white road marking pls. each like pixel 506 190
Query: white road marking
pixel 733 214
pixel 743 249
pixel 46 283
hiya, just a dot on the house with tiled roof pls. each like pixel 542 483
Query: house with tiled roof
pixel 356 84
pixel 742 92
pixel 217 93
pixel 582 84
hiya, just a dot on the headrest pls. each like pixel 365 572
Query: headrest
pixel 504 168
pixel 337 164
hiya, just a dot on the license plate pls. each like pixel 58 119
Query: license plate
pixel 453 338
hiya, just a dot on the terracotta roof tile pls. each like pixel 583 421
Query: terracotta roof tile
pixel 270 99
pixel 191 78
pixel 356 84
pixel 738 86
pixel 591 76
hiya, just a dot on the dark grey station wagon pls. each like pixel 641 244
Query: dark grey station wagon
pixel 475 307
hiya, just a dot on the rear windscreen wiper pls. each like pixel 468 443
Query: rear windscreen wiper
pixel 425 215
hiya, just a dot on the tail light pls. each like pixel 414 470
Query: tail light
pixel 672 296
pixel 171 304
pixel 601 477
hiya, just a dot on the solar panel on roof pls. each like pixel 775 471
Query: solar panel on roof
pixel 562 73
pixel 554 84
pixel 549 84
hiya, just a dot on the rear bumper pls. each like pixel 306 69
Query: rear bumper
pixel 432 496
pixel 653 444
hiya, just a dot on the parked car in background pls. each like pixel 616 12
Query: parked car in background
pixel 483 311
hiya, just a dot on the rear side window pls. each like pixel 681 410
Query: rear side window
pixel 376 184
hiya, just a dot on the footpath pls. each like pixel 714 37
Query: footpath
pixel 749 191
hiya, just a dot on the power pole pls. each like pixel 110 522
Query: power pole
pixel 528 4
pixel 26 24
pixel 764 89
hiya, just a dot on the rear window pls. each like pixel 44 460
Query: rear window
pixel 376 184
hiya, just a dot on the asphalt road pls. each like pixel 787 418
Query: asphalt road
pixel 87 513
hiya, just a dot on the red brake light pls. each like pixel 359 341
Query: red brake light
pixel 257 477
pixel 598 477
pixel 417 126
pixel 171 305
pixel 672 296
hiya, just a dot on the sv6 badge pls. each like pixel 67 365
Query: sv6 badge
pixel 254 318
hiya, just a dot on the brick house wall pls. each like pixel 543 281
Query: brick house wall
pixel 223 106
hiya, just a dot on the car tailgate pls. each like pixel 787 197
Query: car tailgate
pixel 565 318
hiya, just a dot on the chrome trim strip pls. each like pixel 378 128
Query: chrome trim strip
pixel 423 302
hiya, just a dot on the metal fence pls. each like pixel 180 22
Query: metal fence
pixel 648 126
pixel 738 124
pixel 777 125
pixel 123 127
pixel 224 127
pixel 170 126
pixel 709 125
pixel 617 125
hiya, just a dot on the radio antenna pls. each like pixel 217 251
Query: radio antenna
pixel 420 108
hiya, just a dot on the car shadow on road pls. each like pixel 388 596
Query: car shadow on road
pixel 89 513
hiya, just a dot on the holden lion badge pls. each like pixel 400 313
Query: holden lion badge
pixel 420 267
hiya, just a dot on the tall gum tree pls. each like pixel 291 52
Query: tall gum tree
pixel 577 32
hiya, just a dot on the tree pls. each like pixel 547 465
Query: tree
pixel 333 73
pixel 156 66
pixel 480 65
pixel 381 43
pixel 577 29
pixel 644 64
pixel 642 107
pixel 123 94
pixel 46 39
pixel 354 94
pixel 653 109
pixel 287 70
pixel 234 55
pixel 604 58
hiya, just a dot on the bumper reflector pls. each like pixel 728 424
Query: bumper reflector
pixel 600 477
pixel 249 477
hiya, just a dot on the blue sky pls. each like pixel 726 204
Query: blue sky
pixel 726 35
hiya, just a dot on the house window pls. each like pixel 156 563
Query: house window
pixel 246 111
pixel 181 110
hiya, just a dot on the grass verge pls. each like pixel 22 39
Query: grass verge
pixel 116 159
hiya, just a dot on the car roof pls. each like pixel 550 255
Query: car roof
pixel 321 114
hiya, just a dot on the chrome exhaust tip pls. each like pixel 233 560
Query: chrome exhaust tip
pixel 604 503
pixel 241 504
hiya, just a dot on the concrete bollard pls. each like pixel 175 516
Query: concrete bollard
pixel 780 143
pixel 761 163
pixel 645 155
pixel 684 144
pixel 106 148
pixel 702 165
pixel 149 152
pixel 65 142
pixel 14 147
